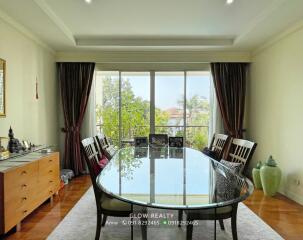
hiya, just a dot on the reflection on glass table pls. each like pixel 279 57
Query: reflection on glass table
pixel 171 178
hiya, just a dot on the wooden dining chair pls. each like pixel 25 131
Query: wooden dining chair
pixel 175 142
pixel 240 151
pixel 108 149
pixel 158 140
pixel 224 190
pixel 103 160
pixel 106 205
pixel 218 145
pixel 98 147
pixel 141 142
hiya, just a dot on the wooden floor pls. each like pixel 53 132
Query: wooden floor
pixel 42 221
pixel 282 214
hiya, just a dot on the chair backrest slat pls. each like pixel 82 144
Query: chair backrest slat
pixel 98 147
pixel 160 140
pixel 176 142
pixel 219 144
pixel 106 149
pixel 241 151
pixel 141 142
pixel 102 140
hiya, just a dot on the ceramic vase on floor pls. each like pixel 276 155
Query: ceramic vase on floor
pixel 256 176
pixel 270 177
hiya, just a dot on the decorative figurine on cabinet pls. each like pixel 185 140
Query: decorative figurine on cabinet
pixel 14 146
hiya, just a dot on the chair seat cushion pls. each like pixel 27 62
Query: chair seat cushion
pixel 103 161
pixel 98 166
pixel 210 153
pixel 225 184
pixel 236 167
pixel 206 214
pixel 112 204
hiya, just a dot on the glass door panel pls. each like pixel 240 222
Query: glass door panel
pixel 197 108
pixel 168 96
pixel 169 103
pixel 135 104
pixel 107 104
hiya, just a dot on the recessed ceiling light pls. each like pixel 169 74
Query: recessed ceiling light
pixel 229 1
pixel 88 1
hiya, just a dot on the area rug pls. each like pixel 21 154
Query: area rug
pixel 80 224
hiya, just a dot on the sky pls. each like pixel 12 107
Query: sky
pixel 169 89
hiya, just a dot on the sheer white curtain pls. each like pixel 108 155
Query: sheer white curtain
pixel 215 119
pixel 89 122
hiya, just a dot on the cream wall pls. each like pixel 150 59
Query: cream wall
pixel 275 109
pixel 31 119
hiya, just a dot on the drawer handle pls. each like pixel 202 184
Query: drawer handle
pixel 24 199
pixel 23 172
pixel 25 211
pixel 50 171
pixel 24 185
pixel 51 181
pixel 50 160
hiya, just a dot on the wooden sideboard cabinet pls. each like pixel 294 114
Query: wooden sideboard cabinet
pixel 25 183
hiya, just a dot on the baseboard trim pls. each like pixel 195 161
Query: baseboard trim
pixel 293 196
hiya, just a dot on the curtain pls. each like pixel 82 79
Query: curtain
pixel 89 121
pixel 75 81
pixel 215 118
pixel 89 128
pixel 230 85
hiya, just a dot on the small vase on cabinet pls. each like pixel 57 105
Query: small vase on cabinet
pixel 270 177
pixel 256 176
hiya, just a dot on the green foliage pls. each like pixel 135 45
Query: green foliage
pixel 136 115
pixel 197 115
pixel 134 112
pixel 200 140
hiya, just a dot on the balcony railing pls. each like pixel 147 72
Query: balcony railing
pixel 196 135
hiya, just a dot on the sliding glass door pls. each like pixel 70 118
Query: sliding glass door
pixel 107 104
pixel 169 103
pixel 197 109
pixel 135 104
pixel 130 104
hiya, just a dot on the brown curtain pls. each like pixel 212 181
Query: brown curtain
pixel 75 81
pixel 230 84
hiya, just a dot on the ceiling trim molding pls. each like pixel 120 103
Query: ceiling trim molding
pixel 143 41
pixel 276 38
pixel 153 56
pixel 55 19
pixel 259 18
pixel 9 20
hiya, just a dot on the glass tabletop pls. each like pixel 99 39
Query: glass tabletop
pixel 171 178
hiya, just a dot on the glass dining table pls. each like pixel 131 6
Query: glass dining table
pixel 172 178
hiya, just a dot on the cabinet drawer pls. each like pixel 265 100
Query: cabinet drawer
pixel 48 181
pixel 13 216
pixel 48 191
pixel 20 191
pixel 19 201
pixel 25 175
pixel 48 174
pixel 49 162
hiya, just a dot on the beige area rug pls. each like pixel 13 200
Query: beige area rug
pixel 80 223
